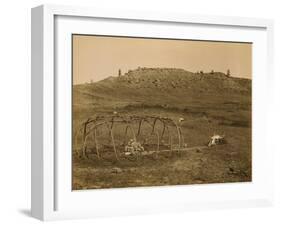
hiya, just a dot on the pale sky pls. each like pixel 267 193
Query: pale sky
pixel 97 57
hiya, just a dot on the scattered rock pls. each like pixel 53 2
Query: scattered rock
pixel 198 150
pixel 116 170
pixel 216 140
pixel 231 169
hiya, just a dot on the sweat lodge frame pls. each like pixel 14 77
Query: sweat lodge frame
pixel 91 125
pixel 51 194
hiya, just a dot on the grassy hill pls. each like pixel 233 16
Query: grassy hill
pixel 161 88
pixel 209 102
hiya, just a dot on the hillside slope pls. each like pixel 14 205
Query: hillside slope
pixel 209 103
pixel 166 87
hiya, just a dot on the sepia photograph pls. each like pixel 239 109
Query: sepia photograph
pixel 160 112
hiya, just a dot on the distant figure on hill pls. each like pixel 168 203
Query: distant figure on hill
pixel 228 73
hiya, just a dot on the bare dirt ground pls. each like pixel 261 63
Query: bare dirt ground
pixel 217 164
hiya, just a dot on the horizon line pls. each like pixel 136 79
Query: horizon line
pixel 197 72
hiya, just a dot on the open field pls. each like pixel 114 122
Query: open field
pixel 209 103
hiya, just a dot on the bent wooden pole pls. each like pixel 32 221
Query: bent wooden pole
pixel 139 128
pixel 169 138
pixel 96 143
pixel 182 138
pixel 163 131
pixel 125 136
pixel 179 135
pixel 113 141
pixel 153 125
pixel 133 132
pixel 84 136
pixel 84 149
pixel 76 146
pixel 158 142
pixel 85 129
pixel 131 129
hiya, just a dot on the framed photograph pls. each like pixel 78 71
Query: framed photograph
pixel 138 112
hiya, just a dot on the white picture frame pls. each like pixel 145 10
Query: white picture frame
pixel 48 187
